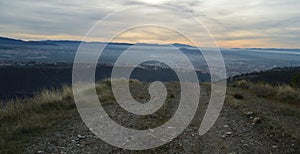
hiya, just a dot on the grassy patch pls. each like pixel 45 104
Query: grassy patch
pixel 22 119
pixel 282 93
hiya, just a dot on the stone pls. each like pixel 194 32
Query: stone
pixel 274 146
pixel 256 120
pixel 80 136
pixel 249 113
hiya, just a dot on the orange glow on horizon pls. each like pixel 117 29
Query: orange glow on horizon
pixel 138 37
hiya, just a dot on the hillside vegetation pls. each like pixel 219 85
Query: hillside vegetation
pixel 22 119
pixel 281 92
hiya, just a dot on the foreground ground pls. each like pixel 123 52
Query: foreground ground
pixel 249 123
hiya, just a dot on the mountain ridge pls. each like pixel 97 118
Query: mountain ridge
pixel 7 40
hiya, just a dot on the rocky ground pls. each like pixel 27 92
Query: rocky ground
pixel 247 124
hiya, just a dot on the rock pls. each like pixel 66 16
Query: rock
pixel 80 136
pixel 223 136
pixel 274 146
pixel 246 145
pixel 226 126
pixel 256 120
pixel 128 138
pixel 228 133
pixel 39 152
pixel 292 145
pixel 249 113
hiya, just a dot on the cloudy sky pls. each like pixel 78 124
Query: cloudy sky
pixel 233 23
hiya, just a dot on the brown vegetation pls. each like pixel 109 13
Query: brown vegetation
pixel 282 93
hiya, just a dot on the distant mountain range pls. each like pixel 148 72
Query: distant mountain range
pixel 11 41
pixel 286 49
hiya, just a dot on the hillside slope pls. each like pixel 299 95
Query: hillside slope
pixel 249 123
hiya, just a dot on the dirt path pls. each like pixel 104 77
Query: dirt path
pixel 236 131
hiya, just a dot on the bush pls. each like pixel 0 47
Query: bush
pixel 295 81
pixel 242 84
pixel 263 90
pixel 286 93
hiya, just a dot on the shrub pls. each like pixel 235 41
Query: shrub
pixel 288 94
pixel 263 90
pixel 242 83
pixel 295 80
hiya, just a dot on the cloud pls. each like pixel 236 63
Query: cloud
pixel 234 23
pixel 151 34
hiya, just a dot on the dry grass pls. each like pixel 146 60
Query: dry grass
pixel 104 91
pixel 282 93
pixel 286 93
pixel 263 90
pixel 20 119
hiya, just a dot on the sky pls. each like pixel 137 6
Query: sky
pixel 232 23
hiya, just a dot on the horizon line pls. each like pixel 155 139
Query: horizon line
pixel 76 40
